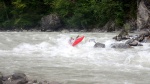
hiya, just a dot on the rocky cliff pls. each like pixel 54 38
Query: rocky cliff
pixel 143 14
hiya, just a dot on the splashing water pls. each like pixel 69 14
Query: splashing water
pixel 49 56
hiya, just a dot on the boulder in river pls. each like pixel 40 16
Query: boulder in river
pixel 133 42
pixel 120 45
pixel 16 78
pixel 21 78
pixel 99 45
pixel 144 36
pixel 123 35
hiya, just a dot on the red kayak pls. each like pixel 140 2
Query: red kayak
pixel 77 41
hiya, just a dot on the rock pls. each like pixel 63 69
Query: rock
pixel 140 38
pixel 147 33
pixel 147 39
pixel 123 35
pixel 129 41
pixel 5 78
pixel 133 24
pixel 18 81
pixel 34 81
pixel 117 38
pixel 143 18
pixel 144 36
pixel 1 78
pixel 120 45
pixel 50 22
pixel 16 78
pixel 99 45
pixel 1 82
pixel 134 43
pixel 20 78
pixel 109 26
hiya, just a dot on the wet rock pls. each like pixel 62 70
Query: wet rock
pixel 1 78
pixel 50 22
pixel 120 45
pixel 140 38
pixel 16 78
pixel 18 81
pixel 20 78
pixel 123 35
pixel 129 41
pixel 5 78
pixel 146 33
pixel 99 45
pixel 144 36
pixel 147 39
pixel 34 81
pixel 117 38
pixel 132 42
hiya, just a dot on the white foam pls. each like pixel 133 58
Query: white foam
pixel 53 52
pixel 26 47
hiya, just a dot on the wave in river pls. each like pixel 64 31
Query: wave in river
pixel 49 55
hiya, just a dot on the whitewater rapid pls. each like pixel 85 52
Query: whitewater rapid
pixel 48 56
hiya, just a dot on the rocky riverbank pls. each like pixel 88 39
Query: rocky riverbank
pixel 127 41
pixel 21 78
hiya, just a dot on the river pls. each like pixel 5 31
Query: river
pixel 48 56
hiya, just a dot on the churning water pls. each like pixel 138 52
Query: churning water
pixel 48 56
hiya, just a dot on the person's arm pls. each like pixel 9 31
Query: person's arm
pixel 77 37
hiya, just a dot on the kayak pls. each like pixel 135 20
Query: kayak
pixel 77 41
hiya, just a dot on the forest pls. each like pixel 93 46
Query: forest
pixel 73 13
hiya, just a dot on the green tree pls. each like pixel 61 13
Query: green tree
pixel 74 13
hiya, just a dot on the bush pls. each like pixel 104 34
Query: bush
pixel 8 24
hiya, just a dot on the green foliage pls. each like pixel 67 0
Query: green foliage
pixel 3 12
pixel 22 13
pixel 90 12
pixel 7 24
pixel 22 22
pixel 73 13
